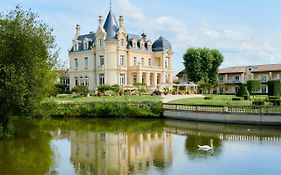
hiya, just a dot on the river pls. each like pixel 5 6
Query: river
pixel 135 146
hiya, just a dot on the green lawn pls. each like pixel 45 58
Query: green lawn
pixel 216 100
pixel 108 98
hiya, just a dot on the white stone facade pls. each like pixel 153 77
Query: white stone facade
pixel 112 56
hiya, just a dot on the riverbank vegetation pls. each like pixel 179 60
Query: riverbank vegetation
pixel 81 99
pixel 125 109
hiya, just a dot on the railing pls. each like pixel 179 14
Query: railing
pixel 262 110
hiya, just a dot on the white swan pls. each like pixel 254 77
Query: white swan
pixel 206 147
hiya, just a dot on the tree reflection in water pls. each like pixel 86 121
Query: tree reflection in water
pixel 28 153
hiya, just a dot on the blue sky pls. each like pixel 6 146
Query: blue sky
pixel 247 32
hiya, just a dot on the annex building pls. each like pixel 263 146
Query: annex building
pixel 112 56
pixel 231 77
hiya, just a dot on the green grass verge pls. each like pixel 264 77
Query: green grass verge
pixel 216 100
pixel 106 99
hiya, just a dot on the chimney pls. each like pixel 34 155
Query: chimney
pixel 100 20
pixel 77 30
pixel 121 21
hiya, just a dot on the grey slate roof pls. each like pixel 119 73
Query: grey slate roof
pixel 111 26
pixel 80 39
pixel 161 44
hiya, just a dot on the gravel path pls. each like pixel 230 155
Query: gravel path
pixel 169 98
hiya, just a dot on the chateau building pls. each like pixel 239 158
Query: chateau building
pixel 231 77
pixel 113 56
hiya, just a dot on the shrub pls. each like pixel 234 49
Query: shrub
pixel 275 102
pixel 116 88
pixel 274 87
pixel 242 91
pixel 62 89
pixel 273 97
pixel 166 90
pixel 157 92
pixel 258 102
pixel 246 97
pixel 253 86
pixel 81 90
pixel 105 109
pixel 103 88
pixel 236 99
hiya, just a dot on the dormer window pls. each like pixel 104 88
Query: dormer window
pixel 75 47
pixel 85 45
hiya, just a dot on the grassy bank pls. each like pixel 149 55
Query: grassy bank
pixel 225 100
pixel 142 109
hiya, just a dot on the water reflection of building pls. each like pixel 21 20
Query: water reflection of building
pixel 103 153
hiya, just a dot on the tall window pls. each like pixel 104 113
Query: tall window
pixel 81 81
pixel 101 60
pixel 264 78
pixel 101 79
pixel 100 42
pixel 135 61
pixel 263 89
pixel 236 89
pixel 167 62
pixel 122 60
pixel 221 79
pixel 86 81
pixel 86 61
pixel 76 63
pixel 237 79
pixel 142 61
pixel 167 78
pixel 134 79
pixel 122 42
pixel 149 62
pixel 76 81
pixel 122 79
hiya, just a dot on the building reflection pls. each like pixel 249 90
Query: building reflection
pixel 108 153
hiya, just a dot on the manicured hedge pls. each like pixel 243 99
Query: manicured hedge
pixel 242 91
pixel 101 109
pixel 274 88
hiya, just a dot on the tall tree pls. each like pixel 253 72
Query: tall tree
pixel 254 86
pixel 26 62
pixel 202 64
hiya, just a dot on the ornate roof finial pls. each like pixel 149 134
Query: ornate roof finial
pixel 110 5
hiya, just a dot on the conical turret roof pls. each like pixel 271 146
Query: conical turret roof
pixel 111 26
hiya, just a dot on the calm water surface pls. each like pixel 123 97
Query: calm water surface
pixel 118 146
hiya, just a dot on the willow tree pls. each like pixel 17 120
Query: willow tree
pixel 27 59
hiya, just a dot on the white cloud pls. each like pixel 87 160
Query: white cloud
pixel 241 45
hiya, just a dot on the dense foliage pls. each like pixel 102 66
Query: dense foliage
pixel 26 63
pixel 202 64
pixel 253 86
pixel 102 109
pixel 242 92
pixel 80 90
pixel 274 87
